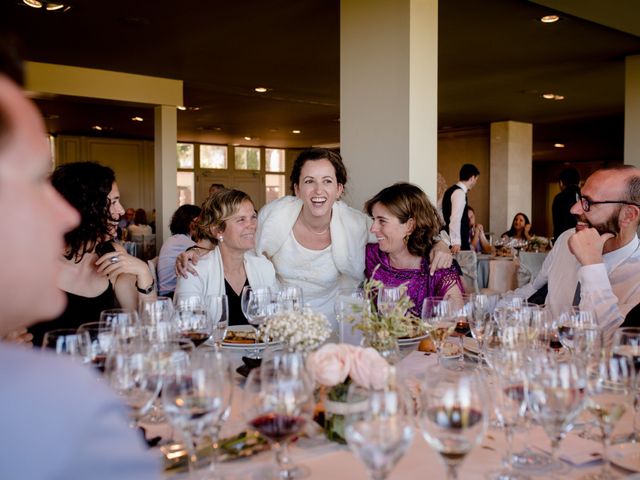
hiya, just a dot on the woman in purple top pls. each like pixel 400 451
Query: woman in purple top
pixel 404 223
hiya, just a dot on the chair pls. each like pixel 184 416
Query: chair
pixel 145 246
pixel 530 265
pixel 468 261
pixel 153 267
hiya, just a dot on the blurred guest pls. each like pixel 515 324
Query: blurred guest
pixel 215 187
pixel 563 201
pixel 404 223
pixel 477 238
pixel 228 221
pixel 182 228
pixel 454 208
pixel 96 273
pixel 520 228
pixel 140 226
pixel 127 218
pixel 62 422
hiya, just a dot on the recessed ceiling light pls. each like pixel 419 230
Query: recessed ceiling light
pixel 247 138
pixel 550 18
pixel 33 3
pixel 54 6
pixel 558 145
pixel 137 119
pixel 261 89
pixel 552 96
pixel 193 109
pixel 558 97
pixel 97 127
pixel 47 4
pixel 182 107
pixel 296 131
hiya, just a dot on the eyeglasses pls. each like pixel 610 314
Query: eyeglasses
pixel 587 202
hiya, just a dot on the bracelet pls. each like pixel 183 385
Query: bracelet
pixel 148 290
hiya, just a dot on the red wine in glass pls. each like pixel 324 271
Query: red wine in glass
pixel 198 338
pixel 278 426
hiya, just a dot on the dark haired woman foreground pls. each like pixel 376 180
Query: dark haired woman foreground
pixel 404 223
pixel 97 273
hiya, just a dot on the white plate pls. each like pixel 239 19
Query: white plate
pixel 412 340
pixel 471 345
pixel 242 346
pixel 626 455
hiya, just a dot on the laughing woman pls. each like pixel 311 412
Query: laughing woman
pixel 97 273
pixel 404 224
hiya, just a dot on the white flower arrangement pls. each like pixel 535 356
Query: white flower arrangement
pixel 301 331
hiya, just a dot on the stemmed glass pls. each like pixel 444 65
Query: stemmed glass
pixel 556 396
pixel 626 343
pixel 289 298
pixel 277 402
pixel 454 416
pixel 191 320
pixel 65 341
pixel 218 311
pixel 609 396
pixel 257 304
pixel 439 320
pixel 124 323
pixel 482 306
pixel 155 316
pixel 95 343
pixel 378 428
pixel 349 307
pixel 572 323
pixel 463 313
pixel 197 396
pixel 388 297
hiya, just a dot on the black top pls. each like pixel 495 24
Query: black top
pixel 633 318
pixel 236 317
pixel 464 221
pixel 563 219
pixel 79 310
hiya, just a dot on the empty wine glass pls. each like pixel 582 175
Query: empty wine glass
pixel 454 416
pixel 349 306
pixel 218 311
pixel 289 298
pixel 257 305
pixel 65 341
pixel 124 323
pixel 439 321
pixel 278 402
pixel 609 396
pixel 388 297
pixel 197 396
pixel 482 306
pixel 626 343
pixel 156 314
pixel 378 428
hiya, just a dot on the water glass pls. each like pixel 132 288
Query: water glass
pixel 66 341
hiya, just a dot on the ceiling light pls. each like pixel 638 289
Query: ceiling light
pixel 33 3
pixel 558 145
pixel 54 6
pixel 137 119
pixel 182 107
pixel 193 109
pixel 47 4
pixel 296 131
pixel 558 97
pixel 552 96
pixel 550 18
pixel 261 89
pixel 247 138
pixel 97 127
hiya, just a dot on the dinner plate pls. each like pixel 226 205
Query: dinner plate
pixel 471 345
pixel 242 346
pixel 625 455
pixel 409 341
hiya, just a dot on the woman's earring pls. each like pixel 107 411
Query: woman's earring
pixel 220 238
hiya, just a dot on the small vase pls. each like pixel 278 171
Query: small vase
pixel 335 412
pixel 385 343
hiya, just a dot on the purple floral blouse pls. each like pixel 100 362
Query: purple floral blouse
pixel 420 284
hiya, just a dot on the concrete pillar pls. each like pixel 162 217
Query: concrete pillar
pixel 388 94
pixel 510 173
pixel 632 111
pixel 165 168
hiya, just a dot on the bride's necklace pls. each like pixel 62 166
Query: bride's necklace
pixel 313 231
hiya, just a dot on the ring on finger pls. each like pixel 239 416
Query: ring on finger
pixel 113 259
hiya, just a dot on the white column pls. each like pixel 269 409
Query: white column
pixel 388 94
pixel 632 111
pixel 510 179
pixel 165 168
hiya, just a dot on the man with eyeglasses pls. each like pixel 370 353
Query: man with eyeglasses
pixel 597 264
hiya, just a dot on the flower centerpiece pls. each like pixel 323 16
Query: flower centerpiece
pixel 300 331
pixel 538 244
pixel 334 367
pixel 382 329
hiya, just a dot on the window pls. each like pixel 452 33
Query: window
pixel 185 155
pixel 274 179
pixel 247 158
pixel 213 156
pixel 186 188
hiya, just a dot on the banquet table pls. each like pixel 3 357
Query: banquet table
pixel 499 274
pixel 328 460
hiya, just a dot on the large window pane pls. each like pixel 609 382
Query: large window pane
pixel 213 156
pixel 275 186
pixel 247 158
pixel 185 155
pixel 186 188
pixel 275 160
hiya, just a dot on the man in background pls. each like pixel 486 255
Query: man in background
pixel 569 194
pixel 454 208
pixel 57 419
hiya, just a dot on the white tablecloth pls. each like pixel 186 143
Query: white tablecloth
pixel 499 274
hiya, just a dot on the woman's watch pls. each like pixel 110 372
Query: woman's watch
pixel 148 290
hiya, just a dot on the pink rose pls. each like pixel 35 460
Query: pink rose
pixel 330 364
pixel 368 368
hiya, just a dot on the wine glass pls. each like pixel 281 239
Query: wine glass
pixel 463 313
pixel 129 371
pixel 556 396
pixel 609 396
pixel 278 402
pixel 196 396
pixel 626 342
pixel 65 341
pixel 378 428
pixel 95 343
pixel 454 416
pixel 218 311
pixel 348 307
pixel 289 298
pixel 124 323
pixel 192 321
pixel 155 316
pixel 439 321
pixel 572 322
pixel 482 306
pixel 388 297
pixel 257 305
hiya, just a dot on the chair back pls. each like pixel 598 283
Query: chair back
pixel 530 265
pixel 153 267
pixel 468 261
